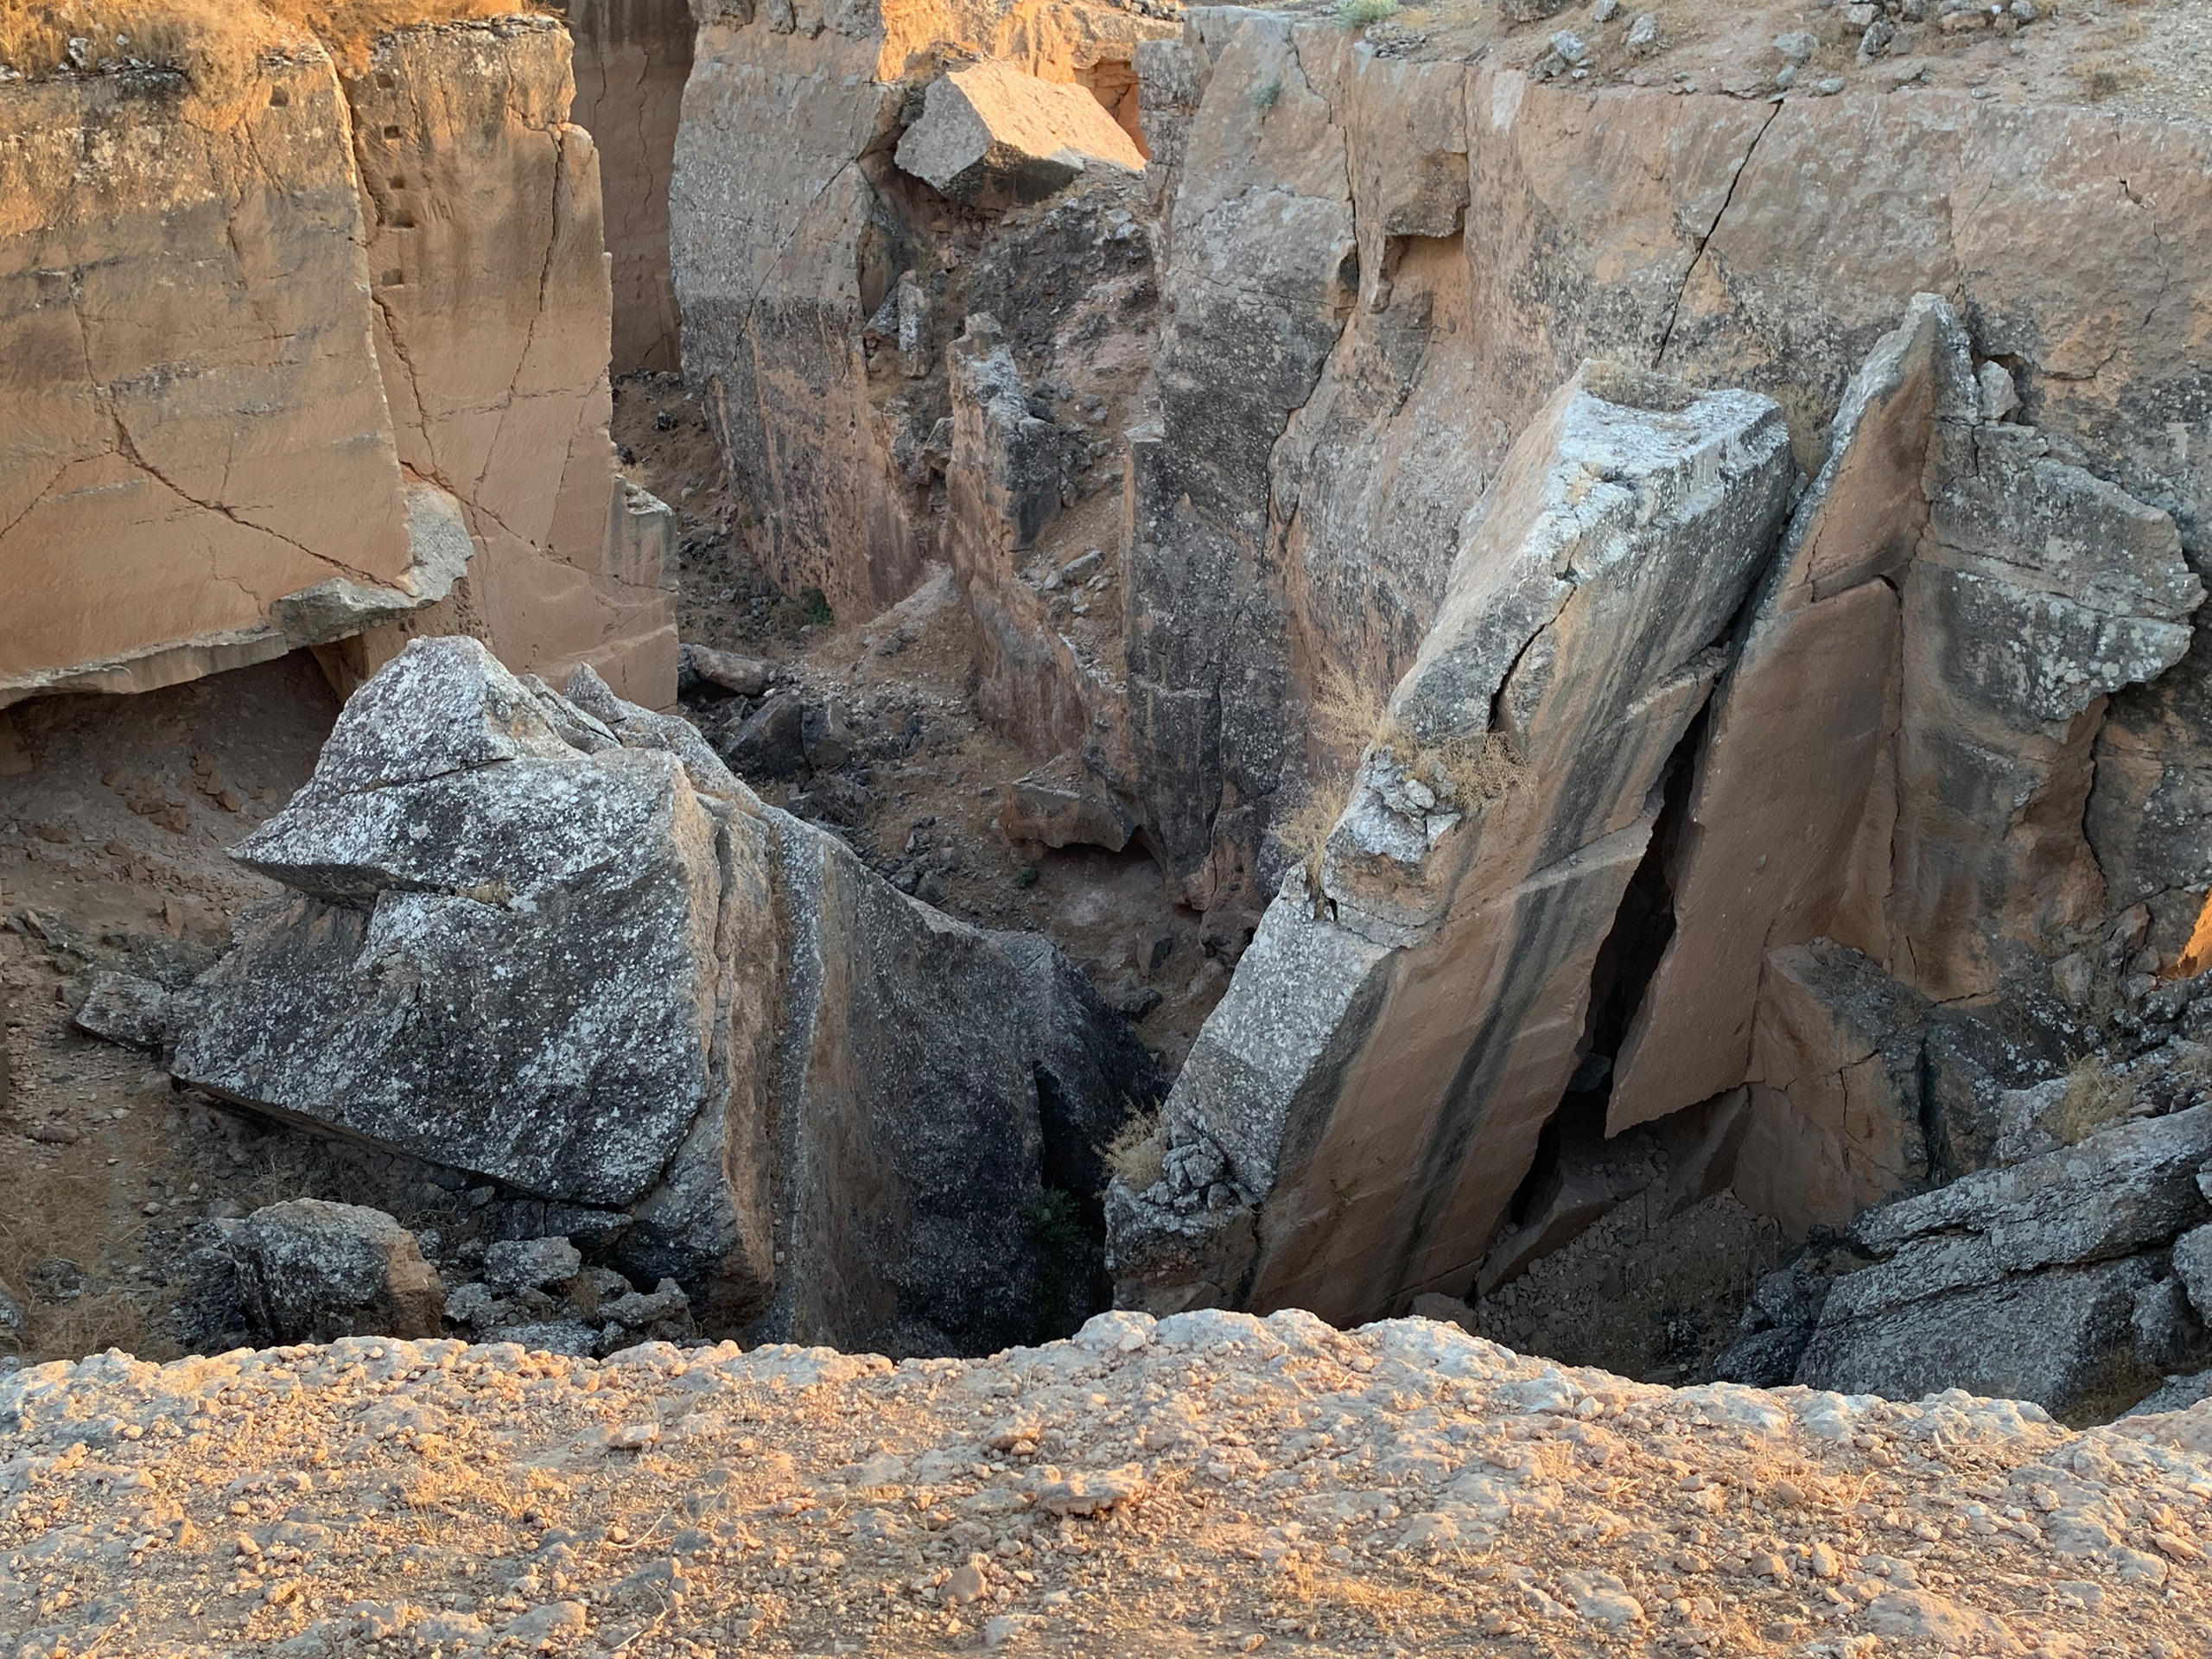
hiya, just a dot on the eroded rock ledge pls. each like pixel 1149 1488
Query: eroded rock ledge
pixel 1209 1481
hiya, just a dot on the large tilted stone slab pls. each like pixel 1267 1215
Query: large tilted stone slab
pixel 551 941
pixel 989 127
pixel 1900 753
pixel 1358 1113
pixel 1800 729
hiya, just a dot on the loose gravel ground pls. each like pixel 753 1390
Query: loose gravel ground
pixel 1210 1483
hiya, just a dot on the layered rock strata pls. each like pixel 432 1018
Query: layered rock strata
pixel 1358 1113
pixel 551 941
pixel 322 355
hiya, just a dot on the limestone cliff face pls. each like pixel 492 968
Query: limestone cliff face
pixel 489 279
pixel 193 426
pixel 1443 242
pixel 318 358
pixel 792 226
pixel 632 57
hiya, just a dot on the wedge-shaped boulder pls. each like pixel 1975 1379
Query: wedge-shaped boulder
pixel 1358 1113
pixel 550 940
pixel 311 1271
pixel 990 129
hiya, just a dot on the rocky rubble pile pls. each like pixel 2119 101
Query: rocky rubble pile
pixel 1210 1482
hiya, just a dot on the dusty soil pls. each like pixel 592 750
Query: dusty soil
pixel 2148 58
pixel 1211 1483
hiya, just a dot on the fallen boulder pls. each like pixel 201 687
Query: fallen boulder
pixel 989 129
pixel 550 940
pixel 1061 804
pixel 312 1271
pixel 2038 1280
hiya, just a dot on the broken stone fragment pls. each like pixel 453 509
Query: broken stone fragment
pixel 989 129
pixel 636 1311
pixel 2050 1338
pixel 126 1010
pixel 516 1265
pixel 2022 1281
pixel 311 1271
pixel 1062 805
pixel 746 677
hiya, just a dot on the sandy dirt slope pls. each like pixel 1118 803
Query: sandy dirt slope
pixel 1212 1482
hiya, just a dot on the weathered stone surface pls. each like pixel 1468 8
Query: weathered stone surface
pixel 988 130
pixel 632 60
pixel 2123 1187
pixel 552 941
pixel 310 1271
pixel 923 1064
pixel 1393 1042
pixel 1835 1094
pixel 2040 589
pixel 1727 241
pixel 2192 1261
pixel 125 1008
pixel 1262 265
pixel 2060 1338
pixel 520 1264
pixel 136 328
pixel 746 676
pixel 231 432
pixel 2024 1279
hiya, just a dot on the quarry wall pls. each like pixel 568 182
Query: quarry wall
pixel 305 354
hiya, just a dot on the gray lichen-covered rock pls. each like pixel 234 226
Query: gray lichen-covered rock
pixel 2061 1338
pixel 552 941
pixel 310 1271
pixel 2032 1280
pixel 125 1008
pixel 1370 1093
pixel 500 952
pixel 515 1265
pixel 2125 1186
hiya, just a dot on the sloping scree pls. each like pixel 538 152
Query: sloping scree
pixel 1208 1482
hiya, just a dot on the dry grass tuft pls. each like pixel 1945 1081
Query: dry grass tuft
pixel 2106 74
pixel 2095 1096
pixel 1348 722
pixel 1139 1153
pixel 65 1215
pixel 1304 830
pixel 210 42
